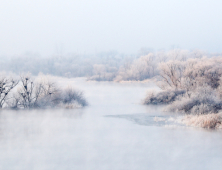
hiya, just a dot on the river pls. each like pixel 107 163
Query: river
pixel 115 132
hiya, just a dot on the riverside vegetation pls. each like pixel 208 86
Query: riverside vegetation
pixel 193 87
pixel 41 92
pixel 190 81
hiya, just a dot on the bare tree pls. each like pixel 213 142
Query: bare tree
pixel 172 74
pixel 6 85
pixel 46 92
pixel 26 95
pixel 34 94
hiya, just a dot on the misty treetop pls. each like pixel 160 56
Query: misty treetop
pixel 141 67
pixel 107 66
pixel 70 65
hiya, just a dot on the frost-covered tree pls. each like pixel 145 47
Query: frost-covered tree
pixel 172 73
pixel 43 92
pixel 6 86
pixel 191 86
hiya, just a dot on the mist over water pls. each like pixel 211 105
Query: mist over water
pixel 114 132
pixel 105 42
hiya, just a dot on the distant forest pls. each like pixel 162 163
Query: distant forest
pixel 107 66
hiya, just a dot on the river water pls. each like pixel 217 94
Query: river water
pixel 115 132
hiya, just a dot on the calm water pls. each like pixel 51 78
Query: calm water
pixel 115 132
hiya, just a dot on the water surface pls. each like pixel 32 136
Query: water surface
pixel 115 132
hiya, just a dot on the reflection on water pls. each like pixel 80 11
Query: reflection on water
pixel 109 134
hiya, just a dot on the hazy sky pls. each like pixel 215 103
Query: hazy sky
pixel 87 26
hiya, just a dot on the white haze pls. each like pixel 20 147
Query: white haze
pixel 86 26
pixel 114 133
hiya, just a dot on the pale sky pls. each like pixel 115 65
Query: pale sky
pixel 88 26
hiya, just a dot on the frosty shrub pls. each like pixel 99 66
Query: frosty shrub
pixel 163 97
pixel 203 101
pixel 200 80
pixel 140 69
pixel 209 121
pixel 71 97
pixel 192 85
pixel 43 93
